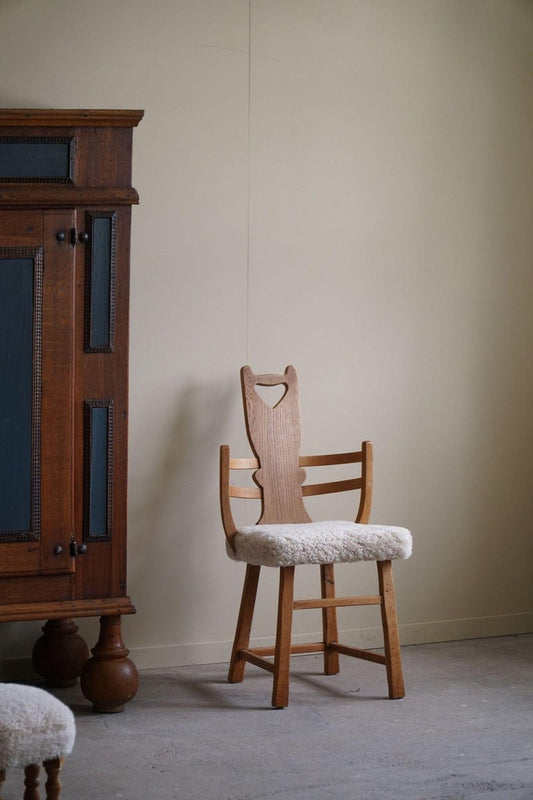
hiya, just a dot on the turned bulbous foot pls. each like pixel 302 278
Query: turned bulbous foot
pixel 59 654
pixel 109 679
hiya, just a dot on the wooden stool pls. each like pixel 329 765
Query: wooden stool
pixel 35 729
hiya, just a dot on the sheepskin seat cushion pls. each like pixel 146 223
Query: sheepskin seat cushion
pixel 319 543
pixel 34 726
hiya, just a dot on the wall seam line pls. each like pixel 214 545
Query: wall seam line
pixel 247 343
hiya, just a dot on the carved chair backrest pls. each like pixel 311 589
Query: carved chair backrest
pixel 275 433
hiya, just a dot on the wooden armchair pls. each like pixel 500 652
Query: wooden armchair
pixel 285 537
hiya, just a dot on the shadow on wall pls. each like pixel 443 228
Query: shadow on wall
pixel 17 640
pixel 172 517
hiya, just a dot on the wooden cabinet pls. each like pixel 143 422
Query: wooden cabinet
pixel 65 210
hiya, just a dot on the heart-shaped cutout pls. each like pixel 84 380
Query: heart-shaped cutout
pixel 271 395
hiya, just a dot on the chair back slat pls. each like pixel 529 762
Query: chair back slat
pixel 310 489
pixel 244 463
pixel 331 459
pixel 304 461
pixel 245 492
pixel 274 433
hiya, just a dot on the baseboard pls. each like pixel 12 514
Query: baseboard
pixel 178 655
pixel 415 633
pixel 450 630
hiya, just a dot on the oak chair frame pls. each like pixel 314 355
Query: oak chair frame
pixel 328 602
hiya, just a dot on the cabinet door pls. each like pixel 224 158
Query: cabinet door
pixel 36 388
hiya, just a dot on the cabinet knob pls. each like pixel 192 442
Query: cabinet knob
pixel 84 237
pixel 82 549
pixel 58 550
pixel 61 236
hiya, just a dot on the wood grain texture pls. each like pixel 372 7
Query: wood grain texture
pixel 53 767
pixel 109 679
pixel 228 522
pixel 363 483
pixel 329 617
pixel 280 689
pixel 251 657
pixel 57 445
pixel 275 435
pixel 391 637
pixel 103 377
pixel 60 653
pixel 330 601
pixel 50 588
pixel 25 197
pixel 356 652
pixel 367 478
pixel 330 487
pixel 65 117
pixel 13 612
pixel 31 782
pixel 296 649
pixel 244 624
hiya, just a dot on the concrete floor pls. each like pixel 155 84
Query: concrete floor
pixel 465 730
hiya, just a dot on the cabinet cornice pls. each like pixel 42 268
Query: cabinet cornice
pixel 68 117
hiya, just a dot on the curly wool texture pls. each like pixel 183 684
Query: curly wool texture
pixel 34 726
pixel 319 543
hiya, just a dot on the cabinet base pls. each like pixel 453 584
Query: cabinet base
pixel 57 609
pixel 109 679
pixel 59 655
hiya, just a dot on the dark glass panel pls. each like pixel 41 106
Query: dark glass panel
pixel 34 160
pixel 101 261
pixel 16 393
pixel 98 471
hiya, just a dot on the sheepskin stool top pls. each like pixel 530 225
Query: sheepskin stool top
pixel 35 728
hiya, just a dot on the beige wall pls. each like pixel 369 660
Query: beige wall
pixel 350 193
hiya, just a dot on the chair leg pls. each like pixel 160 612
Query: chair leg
pixel 329 620
pixel 393 659
pixel 31 782
pixel 53 784
pixel 282 655
pixel 244 623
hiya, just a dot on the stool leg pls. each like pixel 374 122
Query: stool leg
pixel 393 659
pixel 282 655
pixel 53 784
pixel 244 623
pixel 31 782
pixel 329 620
